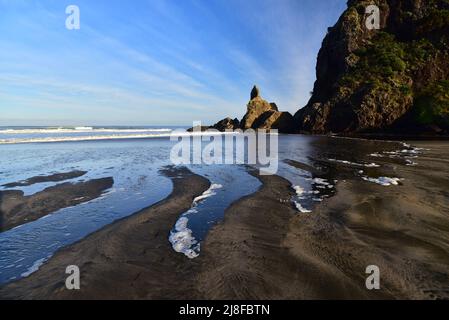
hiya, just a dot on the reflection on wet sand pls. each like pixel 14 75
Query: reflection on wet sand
pixel 336 206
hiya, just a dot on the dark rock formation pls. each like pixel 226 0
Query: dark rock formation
pixel 390 80
pixel 264 115
pixel 260 115
pixel 255 93
pixel 227 124
pixel 199 128
pixel 281 121
pixel 222 125
pixel 255 109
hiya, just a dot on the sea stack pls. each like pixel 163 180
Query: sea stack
pixel 261 114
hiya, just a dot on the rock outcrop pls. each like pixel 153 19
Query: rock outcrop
pixel 390 80
pixel 281 121
pixel 255 93
pixel 222 125
pixel 260 114
pixel 256 108
pixel 199 128
pixel 264 115
pixel 227 124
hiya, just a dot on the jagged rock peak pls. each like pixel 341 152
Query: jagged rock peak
pixel 255 92
pixel 264 115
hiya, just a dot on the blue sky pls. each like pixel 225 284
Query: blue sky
pixel 156 62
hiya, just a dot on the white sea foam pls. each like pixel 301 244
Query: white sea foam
pixel 320 181
pixel 301 208
pixel 383 181
pixel 80 138
pixel 181 237
pixel 183 240
pixel 78 130
pixel 406 152
pixel 106 137
pixel 376 155
pixel 368 165
pixel 406 145
pixel 208 193
pixel 299 190
pixel 36 265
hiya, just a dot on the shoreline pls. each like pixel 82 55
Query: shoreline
pixel 369 137
pixel 16 209
pixel 257 262
pixel 124 258
pixel 265 249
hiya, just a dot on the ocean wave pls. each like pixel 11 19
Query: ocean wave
pixel 104 137
pixel 35 267
pixel 79 130
pixel 79 138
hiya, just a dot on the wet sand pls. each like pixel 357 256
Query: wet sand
pixel 265 249
pixel 250 255
pixel 129 259
pixel 247 256
pixel 17 209
pixel 50 178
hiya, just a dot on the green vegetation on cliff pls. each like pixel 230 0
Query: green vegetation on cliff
pixel 386 64
pixel 390 80
pixel 432 105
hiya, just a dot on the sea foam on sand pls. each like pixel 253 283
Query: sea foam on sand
pixel 208 193
pixel 383 181
pixel 368 165
pixel 183 240
pixel 36 265
pixel 181 237
pixel 300 191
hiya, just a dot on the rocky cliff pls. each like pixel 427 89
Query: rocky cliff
pixel 394 79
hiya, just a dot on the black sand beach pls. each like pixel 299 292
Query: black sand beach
pixel 129 259
pixel 264 249
pixel 17 209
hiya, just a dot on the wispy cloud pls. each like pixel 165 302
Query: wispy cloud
pixel 156 61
